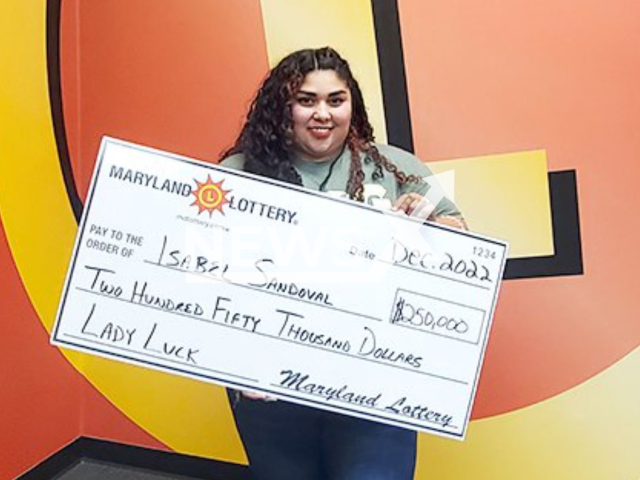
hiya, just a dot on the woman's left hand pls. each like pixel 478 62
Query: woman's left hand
pixel 415 205
pixel 418 206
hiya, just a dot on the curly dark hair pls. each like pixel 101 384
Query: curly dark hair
pixel 266 137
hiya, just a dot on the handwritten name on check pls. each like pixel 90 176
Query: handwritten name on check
pixel 247 282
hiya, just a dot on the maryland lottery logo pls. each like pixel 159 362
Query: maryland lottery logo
pixel 210 196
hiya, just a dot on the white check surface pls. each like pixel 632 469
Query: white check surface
pixel 311 299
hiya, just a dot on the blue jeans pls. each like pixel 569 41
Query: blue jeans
pixel 285 441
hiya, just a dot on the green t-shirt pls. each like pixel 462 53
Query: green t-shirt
pixel 332 177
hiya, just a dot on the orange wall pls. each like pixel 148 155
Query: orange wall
pixel 176 77
pixel 42 395
pixel 490 77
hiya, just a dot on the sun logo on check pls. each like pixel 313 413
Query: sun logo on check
pixel 210 196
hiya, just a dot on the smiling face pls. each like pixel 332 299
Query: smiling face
pixel 321 113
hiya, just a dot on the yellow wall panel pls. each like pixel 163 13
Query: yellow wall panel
pixel 506 196
pixel 586 433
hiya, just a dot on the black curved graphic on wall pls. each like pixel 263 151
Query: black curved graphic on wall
pixel 567 259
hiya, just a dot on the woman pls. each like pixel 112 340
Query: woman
pixel 308 126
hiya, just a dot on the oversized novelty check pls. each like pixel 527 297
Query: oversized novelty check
pixel 222 276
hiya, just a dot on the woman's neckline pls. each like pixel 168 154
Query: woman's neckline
pixel 298 161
